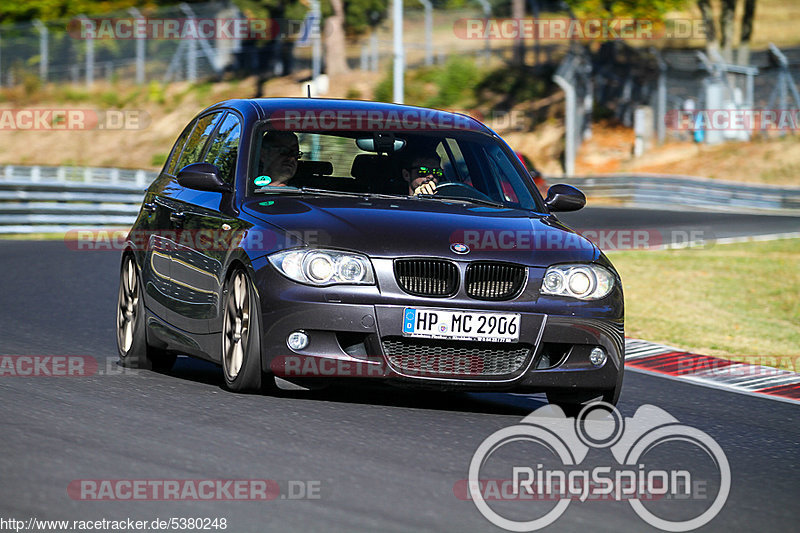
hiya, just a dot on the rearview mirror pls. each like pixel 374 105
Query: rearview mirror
pixel 562 197
pixel 202 177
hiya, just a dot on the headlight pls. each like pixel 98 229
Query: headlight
pixel 324 267
pixel 585 282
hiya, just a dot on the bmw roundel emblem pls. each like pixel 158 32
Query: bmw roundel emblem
pixel 459 248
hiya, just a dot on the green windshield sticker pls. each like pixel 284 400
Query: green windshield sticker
pixel 262 181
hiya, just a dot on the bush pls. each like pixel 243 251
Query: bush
pixel 514 85
pixel 449 85
pixel 158 160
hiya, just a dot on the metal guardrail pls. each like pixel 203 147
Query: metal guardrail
pixel 41 199
pixel 685 191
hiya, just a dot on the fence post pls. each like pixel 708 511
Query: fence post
pixel 316 44
pixel 661 105
pixel 569 116
pixel 43 48
pixel 364 61
pixel 140 50
pixel 487 13
pixel 89 52
pixel 399 52
pixel 373 45
pixel 191 60
pixel 428 31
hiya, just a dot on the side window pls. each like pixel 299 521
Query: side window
pixel 172 164
pixel 455 168
pixel 225 147
pixel 197 140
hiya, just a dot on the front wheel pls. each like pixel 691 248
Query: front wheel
pixel 134 352
pixel 241 335
pixel 572 402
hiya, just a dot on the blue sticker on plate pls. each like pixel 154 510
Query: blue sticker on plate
pixel 409 317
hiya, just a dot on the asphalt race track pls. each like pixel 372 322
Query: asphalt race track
pixel 382 460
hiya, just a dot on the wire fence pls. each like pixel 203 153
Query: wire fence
pixel 78 50
pixel 648 89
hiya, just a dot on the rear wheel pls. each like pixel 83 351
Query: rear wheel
pixel 134 352
pixel 241 335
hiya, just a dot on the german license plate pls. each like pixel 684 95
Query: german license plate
pixel 460 325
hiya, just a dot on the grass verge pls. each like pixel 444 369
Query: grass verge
pixel 737 301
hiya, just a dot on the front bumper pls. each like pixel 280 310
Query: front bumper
pixel 355 332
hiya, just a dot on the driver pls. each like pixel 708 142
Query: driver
pixel 279 154
pixel 422 171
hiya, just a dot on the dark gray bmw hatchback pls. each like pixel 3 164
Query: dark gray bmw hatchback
pixel 331 240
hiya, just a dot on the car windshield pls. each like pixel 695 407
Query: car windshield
pixel 467 166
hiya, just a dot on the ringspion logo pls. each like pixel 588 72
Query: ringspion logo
pixel 642 448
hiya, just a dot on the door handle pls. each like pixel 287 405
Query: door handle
pixel 177 218
pixel 150 207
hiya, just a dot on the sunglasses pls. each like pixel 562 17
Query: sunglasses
pixel 287 152
pixel 429 171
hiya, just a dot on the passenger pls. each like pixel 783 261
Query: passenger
pixel 280 151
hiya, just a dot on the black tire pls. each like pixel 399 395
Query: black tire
pixel 572 402
pixel 134 352
pixel 241 334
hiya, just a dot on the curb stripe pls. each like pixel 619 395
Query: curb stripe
pixel 712 371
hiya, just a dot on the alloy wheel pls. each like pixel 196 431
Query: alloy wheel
pixel 236 327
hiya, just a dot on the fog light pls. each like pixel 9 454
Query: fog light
pixel 297 340
pixel 598 356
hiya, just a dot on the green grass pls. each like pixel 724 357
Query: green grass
pixel 738 301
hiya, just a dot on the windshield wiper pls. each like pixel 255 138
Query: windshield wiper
pixel 462 199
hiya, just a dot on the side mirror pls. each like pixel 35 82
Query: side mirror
pixel 561 197
pixel 202 177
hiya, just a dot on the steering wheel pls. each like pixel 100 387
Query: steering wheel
pixel 455 189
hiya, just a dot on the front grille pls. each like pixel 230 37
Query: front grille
pixel 458 359
pixel 426 277
pixel 494 281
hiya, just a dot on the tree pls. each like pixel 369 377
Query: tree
pixel 724 39
pixel 748 16
pixel 24 10
pixel 653 10
pixel 345 18
pixel 518 12
pixel 334 34
pixel 726 28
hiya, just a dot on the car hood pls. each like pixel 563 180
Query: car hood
pixel 421 227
